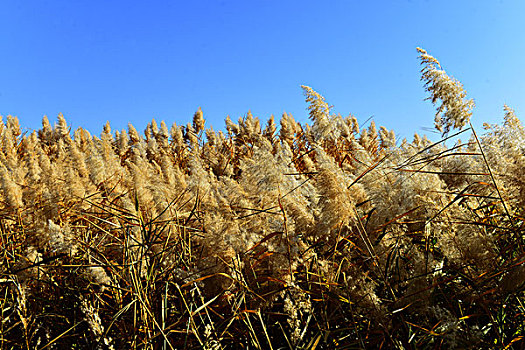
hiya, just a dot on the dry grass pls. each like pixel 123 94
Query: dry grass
pixel 303 237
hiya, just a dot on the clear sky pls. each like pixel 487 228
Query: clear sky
pixel 131 61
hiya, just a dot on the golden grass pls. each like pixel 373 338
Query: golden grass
pixel 304 237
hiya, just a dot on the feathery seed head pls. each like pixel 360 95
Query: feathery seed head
pixel 198 121
pixel 454 110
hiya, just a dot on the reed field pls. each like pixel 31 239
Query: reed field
pixel 267 235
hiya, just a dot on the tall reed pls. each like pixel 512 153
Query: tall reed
pixel 330 235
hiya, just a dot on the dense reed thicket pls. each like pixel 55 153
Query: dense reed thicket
pixel 280 235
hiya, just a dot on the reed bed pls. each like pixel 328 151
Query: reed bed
pixel 275 236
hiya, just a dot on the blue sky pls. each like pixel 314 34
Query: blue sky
pixel 131 61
